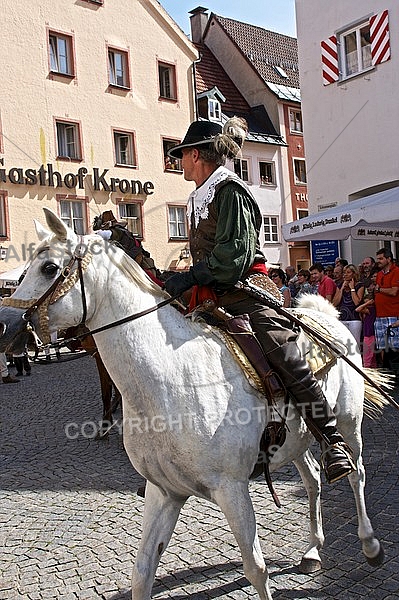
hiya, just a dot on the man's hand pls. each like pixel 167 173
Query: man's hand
pixel 179 283
pixel 197 275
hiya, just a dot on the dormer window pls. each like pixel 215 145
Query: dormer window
pixel 214 110
pixel 209 104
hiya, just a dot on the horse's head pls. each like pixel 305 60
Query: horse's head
pixel 48 294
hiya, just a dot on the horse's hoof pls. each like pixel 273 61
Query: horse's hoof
pixel 309 565
pixel 378 560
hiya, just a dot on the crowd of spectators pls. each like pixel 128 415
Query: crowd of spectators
pixel 365 295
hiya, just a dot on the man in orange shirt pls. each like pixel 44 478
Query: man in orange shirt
pixel 386 298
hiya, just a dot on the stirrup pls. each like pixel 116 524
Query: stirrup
pixel 337 461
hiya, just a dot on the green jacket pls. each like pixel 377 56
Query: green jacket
pixel 228 240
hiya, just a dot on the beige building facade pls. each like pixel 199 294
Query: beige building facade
pixel 92 95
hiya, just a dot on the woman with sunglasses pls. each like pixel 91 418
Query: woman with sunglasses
pixel 347 298
pixel 305 287
pixel 280 278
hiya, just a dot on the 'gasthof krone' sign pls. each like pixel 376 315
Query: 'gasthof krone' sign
pixel 47 177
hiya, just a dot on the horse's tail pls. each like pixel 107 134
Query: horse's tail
pixel 317 303
pixel 373 401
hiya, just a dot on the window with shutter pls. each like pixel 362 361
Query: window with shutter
pixel 356 49
pixel 379 33
pixel 329 59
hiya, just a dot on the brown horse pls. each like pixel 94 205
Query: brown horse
pixel 108 387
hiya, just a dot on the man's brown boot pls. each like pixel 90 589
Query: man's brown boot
pixel 9 379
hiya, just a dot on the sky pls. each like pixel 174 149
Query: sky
pixel 276 15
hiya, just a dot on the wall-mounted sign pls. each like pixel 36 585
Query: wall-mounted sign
pixel 324 251
pixel 47 177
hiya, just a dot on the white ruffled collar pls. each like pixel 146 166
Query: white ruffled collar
pixel 200 198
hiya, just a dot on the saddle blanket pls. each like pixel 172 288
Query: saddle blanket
pixel 319 357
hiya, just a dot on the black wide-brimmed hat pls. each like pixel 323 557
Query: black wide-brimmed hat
pixel 199 133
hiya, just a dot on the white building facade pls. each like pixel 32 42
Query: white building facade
pixel 269 194
pixel 349 75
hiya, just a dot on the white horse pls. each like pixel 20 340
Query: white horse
pixel 192 422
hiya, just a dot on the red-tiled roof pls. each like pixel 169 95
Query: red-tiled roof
pixel 210 73
pixel 264 49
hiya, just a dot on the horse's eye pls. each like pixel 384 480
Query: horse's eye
pixel 50 269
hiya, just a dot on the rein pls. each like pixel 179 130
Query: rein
pixel 127 319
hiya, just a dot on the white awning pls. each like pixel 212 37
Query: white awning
pixel 374 217
pixel 10 279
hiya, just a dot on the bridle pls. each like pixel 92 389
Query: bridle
pixel 60 286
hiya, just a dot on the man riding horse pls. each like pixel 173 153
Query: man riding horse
pixel 224 243
pixel 109 228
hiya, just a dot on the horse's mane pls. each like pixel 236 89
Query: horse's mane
pixel 317 303
pixel 130 268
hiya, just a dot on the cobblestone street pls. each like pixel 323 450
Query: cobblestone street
pixel 71 520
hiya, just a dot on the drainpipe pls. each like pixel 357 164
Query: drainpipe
pixel 195 88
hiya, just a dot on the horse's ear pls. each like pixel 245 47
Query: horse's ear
pixel 42 232
pixel 56 225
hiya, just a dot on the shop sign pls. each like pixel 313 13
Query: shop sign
pixel 48 177
pixel 375 233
